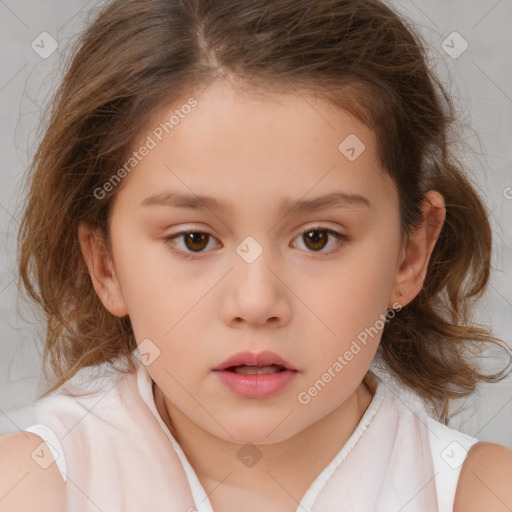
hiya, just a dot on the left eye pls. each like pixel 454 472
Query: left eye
pixel 315 239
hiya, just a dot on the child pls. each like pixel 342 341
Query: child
pixel 305 354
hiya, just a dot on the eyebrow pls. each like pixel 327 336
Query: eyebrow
pixel 287 205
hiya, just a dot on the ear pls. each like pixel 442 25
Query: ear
pixel 416 253
pixel 101 269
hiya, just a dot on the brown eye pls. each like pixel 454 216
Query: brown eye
pixel 196 240
pixel 194 243
pixel 316 239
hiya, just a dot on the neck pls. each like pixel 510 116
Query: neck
pixel 293 463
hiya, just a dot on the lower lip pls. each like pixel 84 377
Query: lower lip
pixel 256 386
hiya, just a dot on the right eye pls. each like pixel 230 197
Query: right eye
pixel 194 241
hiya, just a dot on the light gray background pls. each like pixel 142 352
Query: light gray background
pixel 480 80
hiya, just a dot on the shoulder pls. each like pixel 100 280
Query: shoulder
pixel 26 485
pixel 485 481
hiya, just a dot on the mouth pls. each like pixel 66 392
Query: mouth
pixel 256 370
pixel 250 363
pixel 256 382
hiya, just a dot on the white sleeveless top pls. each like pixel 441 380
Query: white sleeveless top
pixel 113 451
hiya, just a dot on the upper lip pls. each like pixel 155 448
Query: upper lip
pixel 265 358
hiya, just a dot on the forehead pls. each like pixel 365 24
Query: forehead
pixel 235 145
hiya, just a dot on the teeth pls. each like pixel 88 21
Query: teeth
pixel 256 370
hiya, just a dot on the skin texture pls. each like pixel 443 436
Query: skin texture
pixel 306 305
pixel 484 481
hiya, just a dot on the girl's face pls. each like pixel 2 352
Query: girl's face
pixel 260 275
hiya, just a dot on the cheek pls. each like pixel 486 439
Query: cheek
pixel 152 287
pixel 358 292
pixel 352 305
pixel 166 304
pixel 162 304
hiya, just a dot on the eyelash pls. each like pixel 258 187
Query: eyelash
pixel 340 237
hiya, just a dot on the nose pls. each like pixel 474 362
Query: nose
pixel 256 293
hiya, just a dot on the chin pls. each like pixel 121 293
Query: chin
pixel 261 432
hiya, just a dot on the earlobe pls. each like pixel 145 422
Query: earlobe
pixel 101 269
pixel 418 249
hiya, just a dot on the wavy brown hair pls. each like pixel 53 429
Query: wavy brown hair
pixel 138 56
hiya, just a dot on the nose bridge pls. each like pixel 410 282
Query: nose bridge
pixel 255 293
pixel 253 257
pixel 250 249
